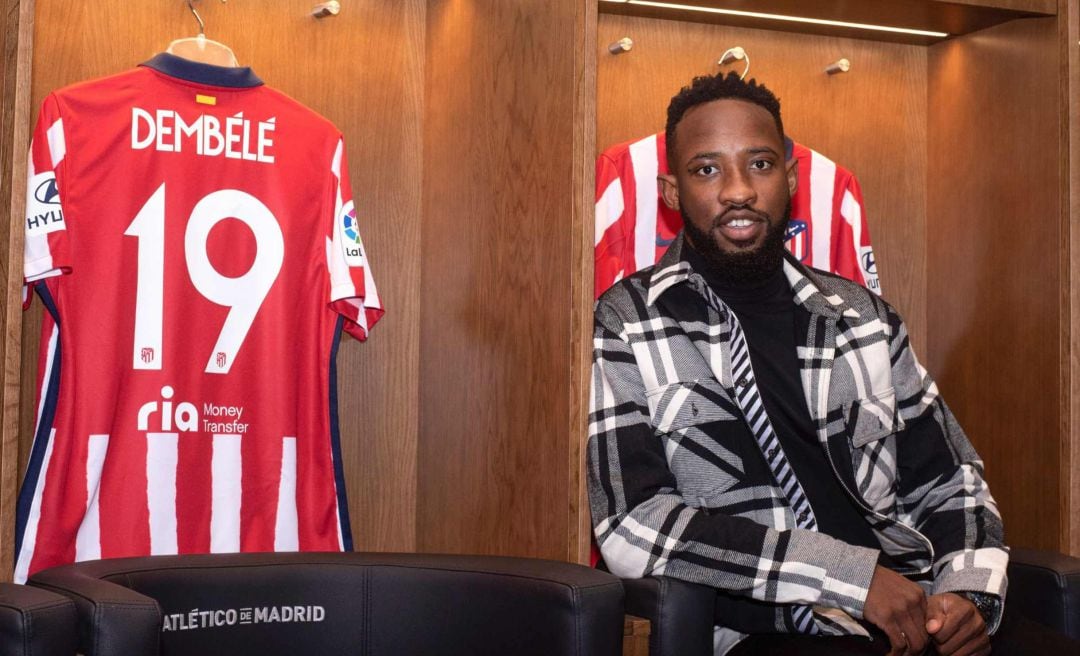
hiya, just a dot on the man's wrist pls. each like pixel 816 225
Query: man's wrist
pixel 986 603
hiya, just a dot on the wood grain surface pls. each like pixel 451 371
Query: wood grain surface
pixel 16 30
pixel 994 280
pixel 497 265
pixel 1069 28
pixel 364 71
pixel 871 120
pixel 581 286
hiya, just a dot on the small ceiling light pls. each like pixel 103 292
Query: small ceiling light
pixel 781 17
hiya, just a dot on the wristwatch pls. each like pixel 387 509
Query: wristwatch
pixel 987 604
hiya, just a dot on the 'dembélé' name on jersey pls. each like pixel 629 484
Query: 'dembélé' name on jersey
pixel 165 130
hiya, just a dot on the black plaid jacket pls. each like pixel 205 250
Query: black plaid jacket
pixel 668 499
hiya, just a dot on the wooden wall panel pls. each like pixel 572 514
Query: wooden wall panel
pixel 16 30
pixel 498 264
pixel 1069 29
pixel 994 230
pixel 364 71
pixel 871 120
pixel 581 326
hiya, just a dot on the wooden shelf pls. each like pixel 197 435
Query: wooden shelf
pixel 955 18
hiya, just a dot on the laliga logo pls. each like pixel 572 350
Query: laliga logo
pixel 185 416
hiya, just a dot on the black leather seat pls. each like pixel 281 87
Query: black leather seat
pixel 340 603
pixel 35 622
pixel 1043 587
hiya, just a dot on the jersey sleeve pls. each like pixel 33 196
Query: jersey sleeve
pixel 352 287
pixel 610 237
pixel 46 247
pixel 852 253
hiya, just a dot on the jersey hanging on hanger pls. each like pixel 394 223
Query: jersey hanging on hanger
pixel 193 237
pixel 634 227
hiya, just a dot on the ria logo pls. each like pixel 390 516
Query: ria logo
pixel 184 416
pixel 47 192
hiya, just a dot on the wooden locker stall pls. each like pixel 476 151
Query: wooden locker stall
pixel 470 161
pixel 960 147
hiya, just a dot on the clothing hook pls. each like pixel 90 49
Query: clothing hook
pixel 202 25
pixel 733 54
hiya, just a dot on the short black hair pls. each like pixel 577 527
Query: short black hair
pixel 707 88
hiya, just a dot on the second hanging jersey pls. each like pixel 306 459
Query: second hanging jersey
pixel 193 237
pixel 634 227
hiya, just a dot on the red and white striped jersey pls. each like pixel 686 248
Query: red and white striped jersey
pixel 193 237
pixel 634 227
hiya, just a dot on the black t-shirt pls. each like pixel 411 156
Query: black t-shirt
pixel 770 320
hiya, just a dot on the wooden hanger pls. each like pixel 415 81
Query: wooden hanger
pixel 201 49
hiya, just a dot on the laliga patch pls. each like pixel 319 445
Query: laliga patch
pixel 351 244
pixel 43 211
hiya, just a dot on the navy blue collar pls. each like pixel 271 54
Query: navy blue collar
pixel 219 76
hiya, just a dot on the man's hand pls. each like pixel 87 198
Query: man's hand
pixel 956 626
pixel 898 607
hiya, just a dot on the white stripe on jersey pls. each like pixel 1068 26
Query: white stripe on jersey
pixel 822 189
pixel 371 294
pixel 608 210
pixel 57 143
pixel 225 475
pixel 286 530
pixel 335 165
pixel 88 540
pixel 29 539
pixel 161 461
pixel 852 213
pixel 646 168
pixel 46 378
pixel 37 257
pixel 341 285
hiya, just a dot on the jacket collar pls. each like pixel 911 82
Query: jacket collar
pixel 673 269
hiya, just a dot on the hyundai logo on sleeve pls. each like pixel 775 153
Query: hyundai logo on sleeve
pixel 47 192
pixel 869 264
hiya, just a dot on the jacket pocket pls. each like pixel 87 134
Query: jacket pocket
pixel 688 403
pixel 684 415
pixel 873 418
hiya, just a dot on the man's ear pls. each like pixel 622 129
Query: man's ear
pixel 792 175
pixel 669 190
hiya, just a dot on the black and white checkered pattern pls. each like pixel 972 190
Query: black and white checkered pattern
pixel 668 496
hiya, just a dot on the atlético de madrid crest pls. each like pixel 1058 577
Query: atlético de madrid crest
pixel 796 238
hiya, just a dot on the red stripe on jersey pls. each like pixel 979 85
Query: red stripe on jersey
pixel 193 493
pixel 125 518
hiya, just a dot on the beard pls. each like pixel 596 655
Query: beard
pixel 745 265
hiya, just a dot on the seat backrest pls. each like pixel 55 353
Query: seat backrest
pixel 341 603
pixel 35 622
pixel 1045 587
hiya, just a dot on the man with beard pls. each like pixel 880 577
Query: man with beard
pixel 765 429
